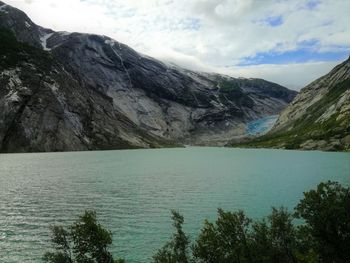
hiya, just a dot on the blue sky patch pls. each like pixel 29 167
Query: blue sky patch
pixel 296 56
pixel 190 24
pixel 307 51
pixel 274 21
pixel 312 4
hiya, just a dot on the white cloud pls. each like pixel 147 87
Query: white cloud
pixel 209 34
pixel 294 75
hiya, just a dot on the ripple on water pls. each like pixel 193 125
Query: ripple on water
pixel 133 192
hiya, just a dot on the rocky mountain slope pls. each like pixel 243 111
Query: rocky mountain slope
pixel 91 92
pixel 318 118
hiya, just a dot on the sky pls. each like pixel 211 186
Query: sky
pixel 290 42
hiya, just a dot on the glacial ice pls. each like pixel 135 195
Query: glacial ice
pixel 262 125
pixel 44 39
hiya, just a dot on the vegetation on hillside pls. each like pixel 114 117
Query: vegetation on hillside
pixel 308 127
pixel 230 91
pixel 226 85
pixel 13 52
pixel 233 237
pixel 322 234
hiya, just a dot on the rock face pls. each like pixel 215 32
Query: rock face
pixel 319 116
pixel 91 92
pixel 45 108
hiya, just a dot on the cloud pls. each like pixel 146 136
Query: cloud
pixel 293 75
pixel 256 37
pixel 224 11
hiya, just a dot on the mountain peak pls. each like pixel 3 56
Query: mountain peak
pixel 97 93
pixel 20 24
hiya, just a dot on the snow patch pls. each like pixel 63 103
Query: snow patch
pixel 64 33
pixel 12 97
pixel 44 39
pixel 110 42
pixel 14 80
pixel 54 87
pixel 27 24
pixel 2 8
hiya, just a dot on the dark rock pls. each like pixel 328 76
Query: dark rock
pixel 91 92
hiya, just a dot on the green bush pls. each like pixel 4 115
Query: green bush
pixel 85 241
pixel 176 250
pixel 323 237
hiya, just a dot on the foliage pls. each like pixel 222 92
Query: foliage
pixel 307 127
pixel 13 52
pixel 85 241
pixel 326 212
pixel 236 238
pixel 224 241
pixel 282 235
pixel 227 86
pixel 230 92
pixel 323 237
pixel 176 250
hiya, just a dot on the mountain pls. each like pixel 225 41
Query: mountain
pixel 65 91
pixel 318 118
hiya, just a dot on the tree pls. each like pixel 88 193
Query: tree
pixel 324 235
pixel 236 238
pixel 283 235
pixel 261 242
pixel 86 241
pixel 176 250
pixel 326 211
pixel 224 241
pixel 207 247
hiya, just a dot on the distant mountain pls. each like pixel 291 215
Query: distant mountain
pixel 63 91
pixel 318 118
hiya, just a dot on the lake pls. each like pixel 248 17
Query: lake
pixel 133 191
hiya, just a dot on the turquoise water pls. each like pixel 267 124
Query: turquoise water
pixel 134 190
pixel 262 125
